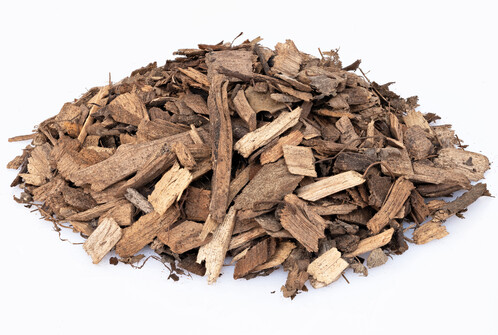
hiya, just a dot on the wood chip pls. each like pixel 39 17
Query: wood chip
pixel 213 253
pixel 400 192
pixel 263 135
pixel 169 188
pixel 102 240
pixel 327 268
pixel 330 185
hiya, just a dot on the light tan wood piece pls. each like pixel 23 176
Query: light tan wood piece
pixel 305 96
pixel 199 77
pixel 376 258
pixel 371 243
pixel 122 214
pixel 213 253
pixel 414 118
pixel 333 209
pixel 99 100
pixel 396 198
pixel 330 185
pixel 274 153
pixel 128 108
pixel 299 160
pixel 263 135
pixel 102 240
pixel 288 59
pixel 429 231
pixel 245 110
pixel 327 268
pixel 471 164
pixel 169 188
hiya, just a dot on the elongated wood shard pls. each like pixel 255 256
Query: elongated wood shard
pixel 263 135
pixel 400 192
pixel 330 185
pixel 371 243
pixel 221 128
pixel 102 240
pixel 213 253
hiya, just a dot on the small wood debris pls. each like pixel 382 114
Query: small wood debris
pixel 270 157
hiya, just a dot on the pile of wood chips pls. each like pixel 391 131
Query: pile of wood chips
pixel 271 157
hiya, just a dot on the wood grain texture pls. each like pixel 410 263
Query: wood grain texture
pixel 143 231
pixel 263 135
pixel 169 188
pixel 327 268
pixel 299 160
pixel 103 239
pixel 397 197
pixel 330 185
pixel 213 253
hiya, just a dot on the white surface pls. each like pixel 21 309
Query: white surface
pixel 445 52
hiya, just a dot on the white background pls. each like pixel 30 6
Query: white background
pixel 445 52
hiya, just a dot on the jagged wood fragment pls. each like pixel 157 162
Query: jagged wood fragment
pixel 102 240
pixel 221 130
pixel 273 153
pixel 256 255
pixel 263 135
pixel 282 251
pixel 127 160
pixel 371 243
pixel 262 101
pixel 213 253
pixel 330 185
pixel 245 110
pixel 184 155
pixel 434 228
pixel 239 240
pixel 302 222
pixel 122 214
pixel 399 193
pixel 471 164
pixel 299 160
pixel 327 268
pixel 376 258
pixel 183 237
pixel 138 200
pixel 269 186
pixel 143 231
pixel 333 209
pixel 128 108
pixel 197 203
pixel 169 188
pixel 288 59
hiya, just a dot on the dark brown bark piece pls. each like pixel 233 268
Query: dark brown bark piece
pixel 221 131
